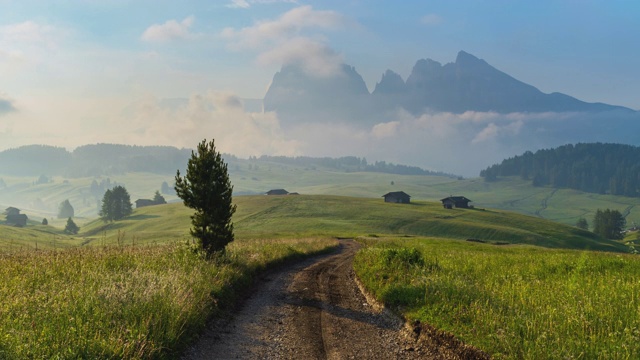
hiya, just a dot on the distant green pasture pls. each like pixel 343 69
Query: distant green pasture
pixel 293 216
pixel 255 177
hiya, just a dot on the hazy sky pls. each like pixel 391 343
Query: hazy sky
pixel 87 71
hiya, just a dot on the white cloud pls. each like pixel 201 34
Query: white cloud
pixel 293 38
pixel 384 130
pixel 216 115
pixel 493 131
pixel 28 31
pixel 30 48
pixel 290 24
pixel 456 143
pixel 169 31
pixel 242 4
pixel 313 57
pixel 490 132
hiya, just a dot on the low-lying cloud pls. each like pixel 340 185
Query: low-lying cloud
pixel 216 115
pixel 460 144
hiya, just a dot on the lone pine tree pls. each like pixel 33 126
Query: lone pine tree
pixel 207 189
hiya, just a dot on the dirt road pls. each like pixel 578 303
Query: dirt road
pixel 315 310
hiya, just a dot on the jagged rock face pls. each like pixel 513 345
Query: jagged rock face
pixel 468 84
pixel 391 83
pixel 300 97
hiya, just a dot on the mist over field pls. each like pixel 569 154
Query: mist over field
pixel 291 78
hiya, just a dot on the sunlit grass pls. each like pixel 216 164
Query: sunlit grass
pixel 513 302
pixel 126 290
pixel 124 302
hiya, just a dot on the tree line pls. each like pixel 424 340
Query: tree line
pixel 349 164
pixel 91 160
pixel 113 159
pixel 590 167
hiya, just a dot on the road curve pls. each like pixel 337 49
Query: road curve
pixel 315 310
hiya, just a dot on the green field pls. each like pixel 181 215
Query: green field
pixel 512 302
pixel 274 217
pixel 256 177
pixel 130 289
pixel 133 288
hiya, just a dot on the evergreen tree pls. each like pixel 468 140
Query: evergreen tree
pixel 71 227
pixel 207 189
pixel 45 221
pixel 65 210
pixel 609 224
pixel 582 224
pixel 116 204
pixel 159 199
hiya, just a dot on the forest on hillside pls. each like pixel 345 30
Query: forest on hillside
pixel 590 167
pixel 91 160
pixel 351 164
pixel 114 159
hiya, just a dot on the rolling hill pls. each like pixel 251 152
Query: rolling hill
pixel 255 176
pixel 270 217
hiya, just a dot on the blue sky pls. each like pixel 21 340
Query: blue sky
pixel 86 71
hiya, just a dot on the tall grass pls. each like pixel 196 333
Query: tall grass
pixel 513 302
pixel 124 302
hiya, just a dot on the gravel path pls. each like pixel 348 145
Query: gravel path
pixel 316 310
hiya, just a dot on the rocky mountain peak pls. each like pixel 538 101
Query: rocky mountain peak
pixel 468 84
pixel 391 83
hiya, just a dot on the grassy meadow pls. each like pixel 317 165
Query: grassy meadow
pixel 251 177
pixel 135 289
pixel 517 302
pixel 125 302
pixel 132 289
pixel 337 216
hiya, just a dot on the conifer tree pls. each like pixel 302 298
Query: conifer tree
pixel 582 224
pixel 159 199
pixel 116 204
pixel 609 224
pixel 71 227
pixel 206 188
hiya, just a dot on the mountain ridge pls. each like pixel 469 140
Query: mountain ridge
pixel 468 84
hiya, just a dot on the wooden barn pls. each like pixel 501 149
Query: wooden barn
pixel 277 192
pixel 144 202
pixel 15 218
pixel 398 197
pixel 455 201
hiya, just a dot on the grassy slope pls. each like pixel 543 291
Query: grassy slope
pixel 335 216
pixel 321 215
pixel 343 216
pixel 250 177
pixel 13 238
